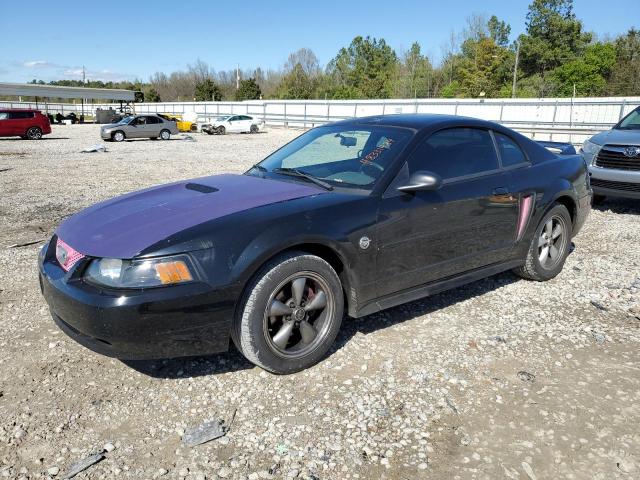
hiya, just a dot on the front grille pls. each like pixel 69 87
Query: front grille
pixel 626 186
pixel 612 156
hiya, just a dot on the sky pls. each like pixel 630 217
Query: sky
pixel 118 40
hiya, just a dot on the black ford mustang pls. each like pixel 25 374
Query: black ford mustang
pixel 355 216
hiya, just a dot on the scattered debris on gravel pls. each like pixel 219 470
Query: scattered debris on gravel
pixel 502 378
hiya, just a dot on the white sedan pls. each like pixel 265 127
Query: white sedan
pixel 233 124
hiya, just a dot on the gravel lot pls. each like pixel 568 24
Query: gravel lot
pixel 503 378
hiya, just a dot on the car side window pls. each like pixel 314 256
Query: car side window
pixel 510 153
pixel 4 115
pixel 233 119
pixel 20 115
pixel 153 120
pixel 455 152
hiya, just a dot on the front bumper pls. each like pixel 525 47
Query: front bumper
pixel 165 322
pixel 105 135
pixel 615 183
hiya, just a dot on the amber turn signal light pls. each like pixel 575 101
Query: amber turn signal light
pixel 173 272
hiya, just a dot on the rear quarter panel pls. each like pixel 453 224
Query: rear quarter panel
pixel 551 178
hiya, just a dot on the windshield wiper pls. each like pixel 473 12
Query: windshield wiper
pixel 294 172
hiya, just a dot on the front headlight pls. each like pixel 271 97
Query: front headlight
pixel 590 148
pixel 152 272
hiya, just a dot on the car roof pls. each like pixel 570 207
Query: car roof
pixel 418 121
pixel 19 109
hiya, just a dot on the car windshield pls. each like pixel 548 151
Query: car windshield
pixel 631 121
pixel 342 156
pixel 124 121
pixel 223 118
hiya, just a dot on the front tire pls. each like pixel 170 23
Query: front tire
pixel 165 135
pixel 254 129
pixel 290 313
pixel 118 136
pixel 549 247
pixel 34 133
pixel 222 131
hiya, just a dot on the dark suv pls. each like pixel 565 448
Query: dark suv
pixel 23 123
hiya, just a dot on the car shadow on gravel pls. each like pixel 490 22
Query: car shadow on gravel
pixel 232 360
pixel 424 306
pixel 186 367
pixel 619 205
pixel 18 139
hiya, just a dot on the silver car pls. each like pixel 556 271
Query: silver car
pixel 139 126
pixel 613 158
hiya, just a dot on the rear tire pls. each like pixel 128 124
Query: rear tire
pixel 34 133
pixel 118 136
pixel 165 135
pixel 549 246
pixel 290 313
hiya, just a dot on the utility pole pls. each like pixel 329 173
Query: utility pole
pixel 83 83
pixel 515 71
pixel 238 77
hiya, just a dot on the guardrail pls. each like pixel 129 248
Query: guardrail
pixel 559 119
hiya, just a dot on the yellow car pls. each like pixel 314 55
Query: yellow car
pixel 183 125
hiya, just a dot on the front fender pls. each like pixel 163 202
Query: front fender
pixel 267 246
pixel 335 229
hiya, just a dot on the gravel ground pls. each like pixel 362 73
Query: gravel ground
pixel 502 378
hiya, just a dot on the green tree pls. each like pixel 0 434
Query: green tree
pixel 499 31
pixel 625 75
pixel 206 90
pixel 414 74
pixel 451 90
pixel 249 90
pixel 588 73
pixel 297 84
pixel 364 69
pixel 554 36
pixel 486 69
pixel 153 95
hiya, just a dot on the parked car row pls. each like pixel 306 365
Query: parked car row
pixel 613 157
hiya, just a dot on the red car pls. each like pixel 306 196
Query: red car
pixel 24 123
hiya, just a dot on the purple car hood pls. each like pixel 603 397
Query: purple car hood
pixel 126 225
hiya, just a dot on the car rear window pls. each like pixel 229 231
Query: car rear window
pixel 510 152
pixel 455 152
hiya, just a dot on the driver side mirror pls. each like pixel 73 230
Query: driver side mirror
pixel 422 181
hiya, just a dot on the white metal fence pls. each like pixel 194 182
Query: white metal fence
pixel 560 119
